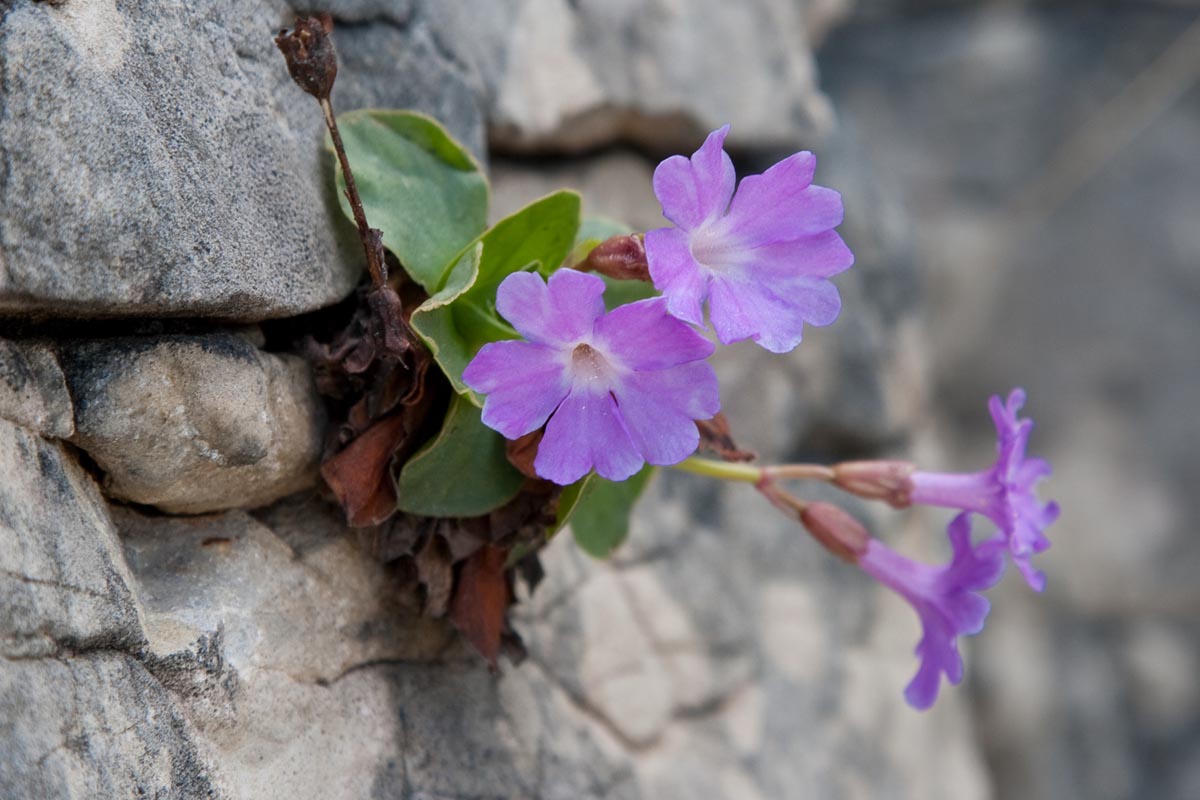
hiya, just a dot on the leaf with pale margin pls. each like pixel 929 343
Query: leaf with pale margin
pixel 461 316
pixel 598 510
pixel 420 187
pixel 462 472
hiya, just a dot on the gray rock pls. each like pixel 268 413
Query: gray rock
pixel 394 61
pixel 160 162
pixel 63 581
pixel 577 75
pixel 1049 157
pixel 33 391
pixel 95 725
pixel 192 424
pixel 325 607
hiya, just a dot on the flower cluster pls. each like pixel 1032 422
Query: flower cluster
pixel 612 390
pixel 621 389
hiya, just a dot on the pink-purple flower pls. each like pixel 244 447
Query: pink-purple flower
pixel 946 600
pixel 761 256
pixel 1004 493
pixel 614 389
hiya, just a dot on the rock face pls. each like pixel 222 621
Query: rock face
pixel 159 168
pixel 191 424
pixel 62 574
pixel 159 163
pixel 169 168
pixel 579 74
pixel 33 389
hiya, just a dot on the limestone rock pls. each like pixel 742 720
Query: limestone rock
pixel 577 75
pixel 95 725
pixel 160 162
pixel 63 581
pixel 191 424
pixel 310 604
pixel 33 391
pixel 570 76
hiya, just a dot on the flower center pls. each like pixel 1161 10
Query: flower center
pixel 712 250
pixel 590 368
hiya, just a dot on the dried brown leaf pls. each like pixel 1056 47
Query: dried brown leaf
pixel 386 323
pixel 435 571
pixel 521 453
pixel 716 438
pixel 481 601
pixel 360 475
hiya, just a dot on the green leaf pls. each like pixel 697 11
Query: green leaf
pixel 568 501
pixel 598 510
pixel 461 316
pixel 463 472
pixel 420 187
pixel 618 293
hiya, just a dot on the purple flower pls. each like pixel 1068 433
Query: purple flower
pixel 1004 493
pixel 946 599
pixel 761 256
pixel 618 388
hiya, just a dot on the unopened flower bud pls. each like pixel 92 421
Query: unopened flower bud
pixel 876 480
pixel 622 257
pixel 310 56
pixel 837 531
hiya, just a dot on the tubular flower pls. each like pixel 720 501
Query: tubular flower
pixel 761 256
pixel 946 599
pixel 614 389
pixel 1004 493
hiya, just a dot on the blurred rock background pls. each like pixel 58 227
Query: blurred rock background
pixel 183 616
pixel 1048 157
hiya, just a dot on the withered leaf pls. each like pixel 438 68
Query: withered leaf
pixel 716 438
pixel 387 325
pixel 481 601
pixel 521 453
pixel 435 571
pixel 360 475
pixel 395 538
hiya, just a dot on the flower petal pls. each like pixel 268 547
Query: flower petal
pixel 818 256
pixel 586 432
pixel 643 336
pixel 558 313
pixel 659 409
pixel 780 205
pixel 677 274
pixel 694 190
pixel 922 690
pixel 523 382
pixel 772 316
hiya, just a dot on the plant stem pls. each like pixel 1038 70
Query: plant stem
pixel 730 471
pixel 802 472
pixel 369 237
pixel 722 470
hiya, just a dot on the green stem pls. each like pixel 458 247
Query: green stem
pixel 722 470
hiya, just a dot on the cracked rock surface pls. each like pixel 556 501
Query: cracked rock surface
pixel 173 626
pixel 190 424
